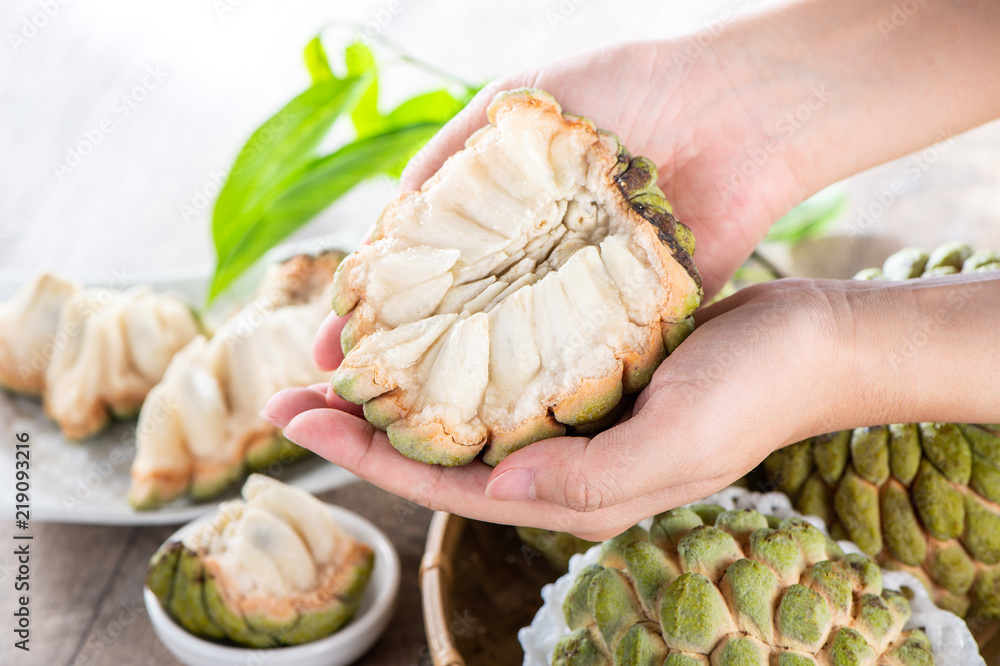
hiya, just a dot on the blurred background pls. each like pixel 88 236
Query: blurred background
pixel 120 120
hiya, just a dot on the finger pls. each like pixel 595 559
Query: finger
pixel 327 352
pixel 448 140
pixel 366 452
pixel 285 405
pixel 334 401
pixel 636 458
pixel 581 474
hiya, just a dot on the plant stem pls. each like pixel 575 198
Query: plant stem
pixel 406 56
pixel 766 263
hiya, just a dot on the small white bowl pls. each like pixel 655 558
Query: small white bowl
pixel 340 648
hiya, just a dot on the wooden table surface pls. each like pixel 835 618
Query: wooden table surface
pixel 86 601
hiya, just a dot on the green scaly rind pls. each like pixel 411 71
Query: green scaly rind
pixel 578 648
pixel 316 624
pixel 576 605
pixel 692 614
pixel 640 646
pixel 613 605
pixel 740 523
pixel 708 551
pixel 230 621
pixel 670 526
pixel 651 572
pixel 849 648
pixel 753 588
pixel 162 570
pixel 187 604
pixel 741 651
pixel 856 502
pixel 803 619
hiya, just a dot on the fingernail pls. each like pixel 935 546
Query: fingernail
pixel 513 485
pixel 273 420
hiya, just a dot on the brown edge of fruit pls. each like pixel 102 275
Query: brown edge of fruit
pixel 631 180
pixel 436 578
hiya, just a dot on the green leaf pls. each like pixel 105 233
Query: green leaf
pixel 316 61
pixel 365 116
pixel 437 106
pixel 809 219
pixel 314 187
pixel 273 156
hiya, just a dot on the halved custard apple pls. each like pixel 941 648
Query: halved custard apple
pixel 271 569
pixel 537 277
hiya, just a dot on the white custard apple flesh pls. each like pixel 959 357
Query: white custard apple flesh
pixel 537 277
pixel 91 354
pixel 273 569
pixel 200 429
pixel 29 323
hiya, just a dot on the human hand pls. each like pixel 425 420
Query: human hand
pixel 772 364
pixel 676 105
pixel 706 419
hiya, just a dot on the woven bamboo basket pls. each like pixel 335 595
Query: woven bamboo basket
pixel 479 585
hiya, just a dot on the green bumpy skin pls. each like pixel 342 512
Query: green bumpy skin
pixel 652 571
pixel 693 614
pixel 579 649
pixel 186 604
pixel 613 605
pixel 740 524
pixel 742 651
pixel 708 551
pixel 734 588
pixel 919 497
pixel 641 646
pixel 613 550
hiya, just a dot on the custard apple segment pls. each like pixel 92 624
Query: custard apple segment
pixel 200 428
pixel 560 266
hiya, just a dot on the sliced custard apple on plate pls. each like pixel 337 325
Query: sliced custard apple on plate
pixel 28 325
pixel 200 429
pixel 271 569
pixel 92 354
pixel 537 277
pixel 734 588
pixel 117 347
